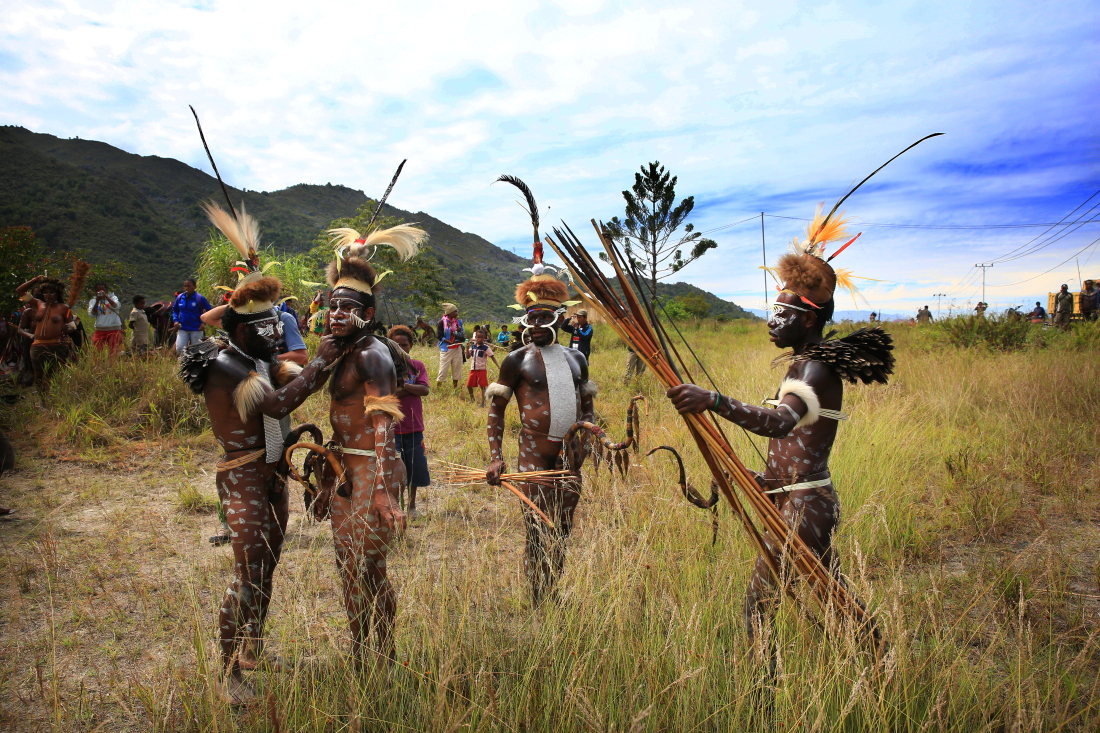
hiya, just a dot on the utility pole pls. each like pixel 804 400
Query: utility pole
pixel 990 264
pixel 939 302
pixel 764 252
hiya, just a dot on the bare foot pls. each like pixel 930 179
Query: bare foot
pixel 234 690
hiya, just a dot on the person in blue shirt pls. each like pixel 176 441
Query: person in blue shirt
pixel 451 334
pixel 581 331
pixel 187 310
pixel 503 338
pixel 294 344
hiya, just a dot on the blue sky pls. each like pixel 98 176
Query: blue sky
pixel 755 106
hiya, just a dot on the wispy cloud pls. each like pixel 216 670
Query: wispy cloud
pixel 755 106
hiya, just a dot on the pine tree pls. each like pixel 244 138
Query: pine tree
pixel 651 221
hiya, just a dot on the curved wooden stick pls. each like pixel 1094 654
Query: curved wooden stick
pixel 692 494
pixel 528 502
pixel 320 449
pixel 613 458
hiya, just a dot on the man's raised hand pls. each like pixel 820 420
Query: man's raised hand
pixel 329 350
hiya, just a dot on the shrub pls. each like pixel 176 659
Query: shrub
pixel 994 332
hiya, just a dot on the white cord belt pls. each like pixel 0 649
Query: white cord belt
pixel 802 485
pixel 353 451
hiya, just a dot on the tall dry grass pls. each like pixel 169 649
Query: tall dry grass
pixel 969 491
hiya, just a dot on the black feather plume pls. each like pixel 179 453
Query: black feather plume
pixel 876 170
pixel 532 207
pixel 864 356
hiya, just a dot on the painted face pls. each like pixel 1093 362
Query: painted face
pixel 49 295
pixel 347 313
pixel 542 323
pixel 263 337
pixel 786 325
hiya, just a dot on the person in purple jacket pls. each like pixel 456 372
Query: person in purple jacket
pixel 187 311
pixel 410 431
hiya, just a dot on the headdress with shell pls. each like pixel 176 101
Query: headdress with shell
pixel 543 290
pixel 256 293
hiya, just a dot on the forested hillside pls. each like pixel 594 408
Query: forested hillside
pixel 145 211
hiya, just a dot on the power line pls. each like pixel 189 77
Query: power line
pixel 1025 244
pixel 1075 254
pixel 754 217
pixel 939 226
pixel 1070 229
pixel 967 280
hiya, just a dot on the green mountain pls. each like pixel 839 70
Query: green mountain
pixel 718 307
pixel 144 211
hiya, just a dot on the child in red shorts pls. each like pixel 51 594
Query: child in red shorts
pixel 479 352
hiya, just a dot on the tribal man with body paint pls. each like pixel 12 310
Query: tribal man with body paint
pixel 250 396
pixel 365 509
pixel 551 386
pixel 802 420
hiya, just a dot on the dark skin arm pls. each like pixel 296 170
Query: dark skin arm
pixel 229 370
pixel 416 390
pixel 510 377
pixel 28 285
pixel 770 422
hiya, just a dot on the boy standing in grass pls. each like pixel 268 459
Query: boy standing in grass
pixel 139 324
pixel 479 352
pixel 410 430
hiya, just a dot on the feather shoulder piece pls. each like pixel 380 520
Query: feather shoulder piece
pixel 195 361
pixel 865 355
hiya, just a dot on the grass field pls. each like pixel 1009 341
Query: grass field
pixel 971 499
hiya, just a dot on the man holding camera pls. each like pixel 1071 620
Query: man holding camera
pixel 580 331
pixel 108 323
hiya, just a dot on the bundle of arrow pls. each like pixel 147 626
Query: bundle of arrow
pixel 633 318
pixel 455 474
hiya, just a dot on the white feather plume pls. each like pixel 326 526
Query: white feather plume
pixel 405 238
pixel 244 232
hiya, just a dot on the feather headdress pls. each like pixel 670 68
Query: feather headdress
pixel 255 292
pixel 404 238
pixel 537 268
pixel 819 232
pixel 354 251
pixel 805 271
pixel 542 289
pixel 243 231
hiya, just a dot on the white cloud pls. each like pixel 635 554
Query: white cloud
pixel 754 106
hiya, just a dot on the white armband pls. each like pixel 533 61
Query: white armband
pixel 496 389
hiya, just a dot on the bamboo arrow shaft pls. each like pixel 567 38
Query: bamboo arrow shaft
pixel 528 502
